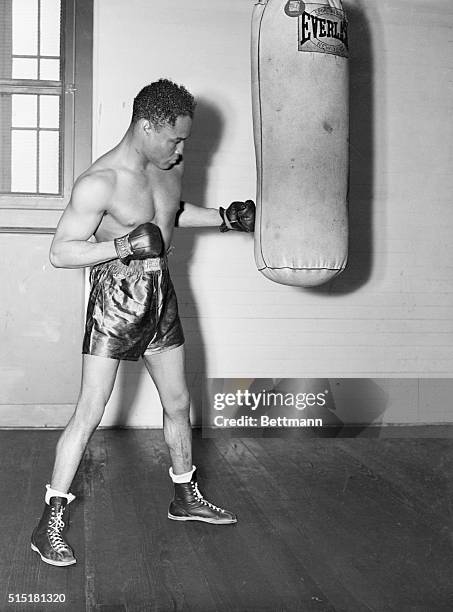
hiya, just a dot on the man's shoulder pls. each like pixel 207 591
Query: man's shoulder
pixel 95 185
pixel 93 189
pixel 97 176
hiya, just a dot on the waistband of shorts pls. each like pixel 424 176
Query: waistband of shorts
pixel 135 266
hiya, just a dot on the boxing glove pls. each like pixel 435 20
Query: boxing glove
pixel 239 216
pixel 143 242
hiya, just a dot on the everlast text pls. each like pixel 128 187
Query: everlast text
pixel 325 29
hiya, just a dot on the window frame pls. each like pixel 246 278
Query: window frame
pixel 76 109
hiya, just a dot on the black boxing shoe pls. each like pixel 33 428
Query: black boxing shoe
pixel 190 505
pixel 47 538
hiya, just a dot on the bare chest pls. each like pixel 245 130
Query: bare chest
pixel 140 199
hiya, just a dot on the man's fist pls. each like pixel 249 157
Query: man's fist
pixel 143 242
pixel 238 216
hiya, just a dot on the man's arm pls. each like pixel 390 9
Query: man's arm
pixel 71 247
pixel 238 216
pixel 190 215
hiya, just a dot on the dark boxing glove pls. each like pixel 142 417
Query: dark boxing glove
pixel 239 216
pixel 143 242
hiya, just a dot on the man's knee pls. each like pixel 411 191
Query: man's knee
pixel 88 414
pixel 177 405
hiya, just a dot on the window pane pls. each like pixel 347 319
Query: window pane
pixel 23 161
pixel 49 69
pixel 24 110
pixel 25 27
pixel 50 27
pixel 49 111
pixel 26 163
pixel 25 68
pixel 48 162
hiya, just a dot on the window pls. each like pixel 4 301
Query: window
pixel 40 41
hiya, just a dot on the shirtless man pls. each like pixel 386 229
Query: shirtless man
pixel 129 200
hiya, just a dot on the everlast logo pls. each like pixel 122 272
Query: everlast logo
pixel 324 30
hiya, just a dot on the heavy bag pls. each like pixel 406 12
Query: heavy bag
pixel 300 120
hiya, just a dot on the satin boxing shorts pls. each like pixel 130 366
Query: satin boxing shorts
pixel 132 310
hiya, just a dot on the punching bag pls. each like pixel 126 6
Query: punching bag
pixel 300 120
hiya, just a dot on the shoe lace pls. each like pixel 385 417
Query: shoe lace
pixel 56 526
pixel 202 500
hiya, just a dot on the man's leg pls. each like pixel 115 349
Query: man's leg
pixel 98 378
pixel 167 371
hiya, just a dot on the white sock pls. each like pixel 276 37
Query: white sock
pixel 54 493
pixel 181 478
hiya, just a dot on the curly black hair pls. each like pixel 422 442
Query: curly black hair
pixel 162 102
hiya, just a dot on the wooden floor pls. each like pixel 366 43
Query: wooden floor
pixel 324 525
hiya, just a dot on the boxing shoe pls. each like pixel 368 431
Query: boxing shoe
pixel 190 505
pixel 47 538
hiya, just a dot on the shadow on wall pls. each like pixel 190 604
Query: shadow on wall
pixel 361 151
pixel 359 402
pixel 205 137
pixel 352 405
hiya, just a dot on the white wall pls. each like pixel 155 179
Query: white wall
pixel 390 313
pixel 41 324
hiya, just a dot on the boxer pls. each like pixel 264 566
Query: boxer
pixel 129 200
